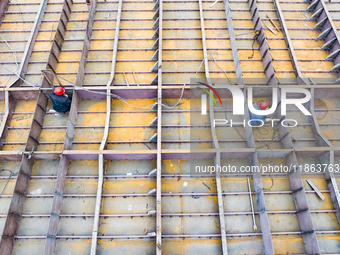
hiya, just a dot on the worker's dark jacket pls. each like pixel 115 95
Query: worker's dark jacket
pixel 61 103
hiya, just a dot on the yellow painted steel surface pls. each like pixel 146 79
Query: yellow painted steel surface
pixel 130 130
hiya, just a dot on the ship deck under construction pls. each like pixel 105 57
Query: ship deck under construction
pixel 112 175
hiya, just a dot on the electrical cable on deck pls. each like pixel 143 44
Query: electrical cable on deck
pixel 214 3
pixel 7 180
pixel 146 107
pixel 257 33
pixel 14 53
pixel 15 72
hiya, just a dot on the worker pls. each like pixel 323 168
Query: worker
pixel 88 2
pixel 258 119
pixel 61 101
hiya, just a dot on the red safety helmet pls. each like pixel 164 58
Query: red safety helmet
pixel 264 105
pixel 59 90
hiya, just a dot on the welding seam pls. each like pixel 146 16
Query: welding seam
pixel 169 141
pixel 147 19
pixel 169 38
pixel 168 60
pixel 209 214
pixel 167 72
pixel 170 49
pixel 173 10
pixel 168 19
pixel 177 236
pixel 175 176
pixel 240 193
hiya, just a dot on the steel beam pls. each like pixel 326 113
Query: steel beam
pixel 86 45
pixel 103 144
pixel 118 215
pixel 159 132
pixel 16 206
pixel 3 8
pixel 328 32
pixel 263 44
pixel 320 139
pixel 326 158
pixel 304 216
pixel 217 158
pixel 237 63
pixel 67 145
pixel 272 81
pixel 9 104
pixel 257 183
pixel 64 161
pixel 61 179
pixel 210 236
pixel 300 78
pixel 212 194
pixel 167 153
pixel 22 68
pixel 30 44
pixel 329 158
pixel 21 186
pixel 171 91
